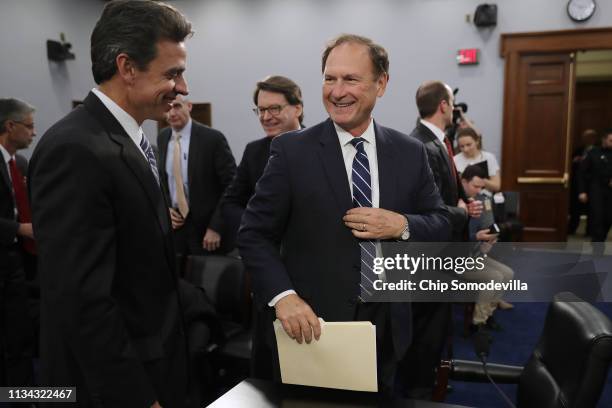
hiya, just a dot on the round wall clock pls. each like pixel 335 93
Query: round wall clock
pixel 580 10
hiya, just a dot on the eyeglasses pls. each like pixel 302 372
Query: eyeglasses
pixel 273 110
pixel 28 125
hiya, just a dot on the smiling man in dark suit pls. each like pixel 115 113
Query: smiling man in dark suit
pixel 196 166
pixel 314 201
pixel 111 321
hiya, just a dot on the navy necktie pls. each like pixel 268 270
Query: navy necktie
pixel 362 197
pixel 150 155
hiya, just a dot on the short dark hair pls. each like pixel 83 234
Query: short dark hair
pixel 428 97
pixel 470 132
pixel 378 55
pixel 13 109
pixel 282 85
pixel 133 27
pixel 472 171
pixel 606 132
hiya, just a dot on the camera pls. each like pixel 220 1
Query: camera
pixel 459 109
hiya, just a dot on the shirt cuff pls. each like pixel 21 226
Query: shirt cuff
pixel 281 295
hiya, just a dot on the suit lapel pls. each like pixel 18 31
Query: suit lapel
pixel 444 154
pixel 5 176
pixel 387 174
pixel 132 157
pixel 194 148
pixel 164 141
pixel 331 157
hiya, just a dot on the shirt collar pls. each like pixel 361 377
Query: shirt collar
pixel 185 132
pixel 5 154
pixel 345 137
pixel 127 122
pixel 436 130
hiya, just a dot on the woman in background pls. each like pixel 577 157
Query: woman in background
pixel 470 144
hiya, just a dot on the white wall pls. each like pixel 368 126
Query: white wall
pixel 239 42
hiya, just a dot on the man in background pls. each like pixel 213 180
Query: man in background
pixel 432 321
pixel 111 322
pixel 196 166
pixel 279 108
pixel 596 189
pixel 17 247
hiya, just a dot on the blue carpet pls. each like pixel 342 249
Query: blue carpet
pixel 513 345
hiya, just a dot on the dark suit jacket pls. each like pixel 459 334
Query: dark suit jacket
pixel 242 188
pixel 8 223
pixel 111 323
pixel 210 169
pixel 300 201
pixel 450 190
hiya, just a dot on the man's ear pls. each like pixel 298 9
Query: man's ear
pixel 189 106
pixel 381 83
pixel 126 68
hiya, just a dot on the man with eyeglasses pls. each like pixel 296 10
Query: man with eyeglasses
pixel 196 167
pixel 279 108
pixel 16 244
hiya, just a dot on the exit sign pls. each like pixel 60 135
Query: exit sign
pixel 467 56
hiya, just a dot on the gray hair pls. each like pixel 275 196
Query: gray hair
pixel 13 109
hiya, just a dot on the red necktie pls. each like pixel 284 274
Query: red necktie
pixel 451 159
pixel 21 201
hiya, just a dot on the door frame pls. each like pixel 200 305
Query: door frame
pixel 515 45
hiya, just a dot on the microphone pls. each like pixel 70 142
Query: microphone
pixel 482 341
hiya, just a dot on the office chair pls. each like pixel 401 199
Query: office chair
pixel 569 365
pixel 226 284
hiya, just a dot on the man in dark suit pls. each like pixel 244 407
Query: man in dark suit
pixel 325 216
pixel 111 323
pixel 196 166
pixel 16 244
pixel 279 107
pixel 434 100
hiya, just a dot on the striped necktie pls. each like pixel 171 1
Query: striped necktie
pixel 362 197
pixel 149 154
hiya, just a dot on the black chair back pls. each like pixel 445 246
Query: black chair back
pixel 570 363
pixel 225 282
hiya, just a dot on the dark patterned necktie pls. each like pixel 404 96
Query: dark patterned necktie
pixel 362 197
pixel 150 155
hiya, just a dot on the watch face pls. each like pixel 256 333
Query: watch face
pixel 580 10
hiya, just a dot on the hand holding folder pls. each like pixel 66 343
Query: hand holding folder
pixel 344 357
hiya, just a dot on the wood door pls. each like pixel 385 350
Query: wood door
pixel 541 143
pixel 539 90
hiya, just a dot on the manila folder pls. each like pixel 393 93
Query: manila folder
pixel 344 357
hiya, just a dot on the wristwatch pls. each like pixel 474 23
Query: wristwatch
pixel 406 232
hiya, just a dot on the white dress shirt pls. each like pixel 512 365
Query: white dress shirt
pixel 127 122
pixel 440 135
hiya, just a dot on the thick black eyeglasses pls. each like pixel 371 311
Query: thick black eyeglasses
pixel 273 110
